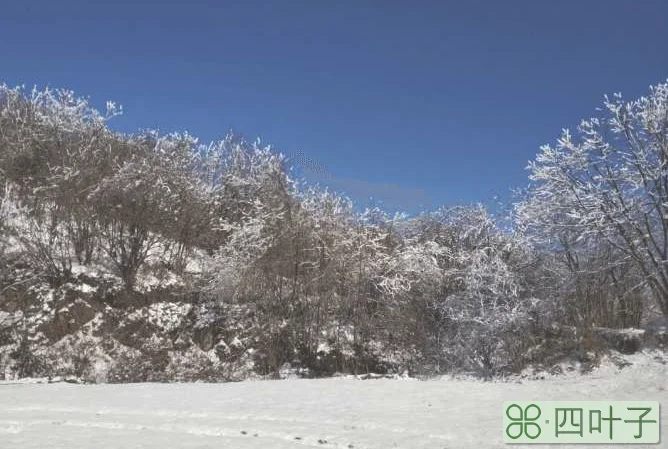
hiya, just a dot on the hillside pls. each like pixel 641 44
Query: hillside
pixel 155 257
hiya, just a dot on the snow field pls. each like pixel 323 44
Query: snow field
pixel 324 413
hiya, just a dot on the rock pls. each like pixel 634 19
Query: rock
pixel 204 338
pixel 67 320
pixel 625 341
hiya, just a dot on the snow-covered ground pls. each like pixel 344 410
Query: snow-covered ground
pixel 327 413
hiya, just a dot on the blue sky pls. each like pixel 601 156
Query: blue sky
pixel 434 102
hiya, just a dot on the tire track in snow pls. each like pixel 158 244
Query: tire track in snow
pixel 7 426
pixel 247 418
pixel 179 429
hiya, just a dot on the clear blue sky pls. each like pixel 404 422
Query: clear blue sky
pixel 443 99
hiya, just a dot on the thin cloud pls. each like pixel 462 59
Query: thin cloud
pixel 390 195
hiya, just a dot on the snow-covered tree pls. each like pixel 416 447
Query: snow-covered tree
pixel 47 135
pixel 51 145
pixel 610 183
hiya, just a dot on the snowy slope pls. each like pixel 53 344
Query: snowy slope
pixel 328 413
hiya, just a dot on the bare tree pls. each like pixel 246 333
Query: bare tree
pixel 611 184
